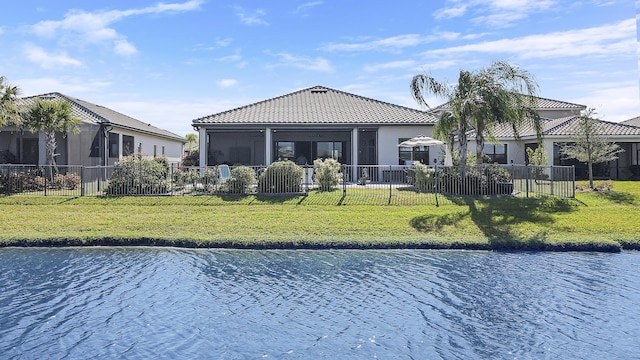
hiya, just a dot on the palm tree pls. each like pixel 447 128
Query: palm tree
pixel 9 114
pixel 51 117
pixel 192 140
pixel 455 122
pixel 498 94
pixel 505 94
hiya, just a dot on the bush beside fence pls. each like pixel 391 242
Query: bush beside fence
pixel 419 183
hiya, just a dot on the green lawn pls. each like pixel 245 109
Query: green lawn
pixel 591 221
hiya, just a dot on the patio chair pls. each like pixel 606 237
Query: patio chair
pixel 224 173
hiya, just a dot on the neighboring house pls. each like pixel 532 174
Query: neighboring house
pixel 633 122
pixel 316 122
pixel 105 136
pixel 561 130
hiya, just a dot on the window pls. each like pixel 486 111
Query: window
pixel 495 153
pixel 329 149
pixel 163 150
pixel 407 154
pixel 114 145
pixel 285 150
pixel 155 150
pixel 128 147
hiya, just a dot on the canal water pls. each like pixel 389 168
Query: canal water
pixel 143 303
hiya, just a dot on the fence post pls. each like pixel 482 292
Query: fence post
pixel 390 183
pixel 82 181
pixel 344 180
pixel 552 179
pixel 44 173
pixel 526 186
pixel 573 181
pixel 436 185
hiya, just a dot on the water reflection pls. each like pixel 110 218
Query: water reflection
pixel 171 303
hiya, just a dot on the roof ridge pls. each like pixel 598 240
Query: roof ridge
pixel 561 122
pixel 309 89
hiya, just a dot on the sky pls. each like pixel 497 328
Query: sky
pixel 167 63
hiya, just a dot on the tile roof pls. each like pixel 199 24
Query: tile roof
pixel 543 104
pixel 320 105
pixel 633 122
pixel 567 127
pixel 96 114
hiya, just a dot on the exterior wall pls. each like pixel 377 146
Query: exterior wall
pixel 144 143
pixel 557 114
pixel 388 142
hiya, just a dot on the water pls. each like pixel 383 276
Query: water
pixel 142 303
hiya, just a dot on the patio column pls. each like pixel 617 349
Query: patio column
pixel 202 140
pixel 354 153
pixel 267 146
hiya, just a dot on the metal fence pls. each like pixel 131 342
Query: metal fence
pixel 379 184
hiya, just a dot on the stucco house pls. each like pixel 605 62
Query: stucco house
pixel 105 136
pixel 323 122
pixel 317 122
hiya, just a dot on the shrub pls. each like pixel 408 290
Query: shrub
pixel 69 181
pixel 242 180
pixel 425 177
pixel 135 175
pixel 327 173
pixel 281 177
pixel 477 180
pixel 193 159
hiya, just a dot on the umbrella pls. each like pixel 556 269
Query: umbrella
pixel 420 140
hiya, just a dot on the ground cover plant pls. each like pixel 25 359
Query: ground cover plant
pixel 605 221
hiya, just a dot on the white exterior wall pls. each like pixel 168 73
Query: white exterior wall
pixel 173 149
pixel 388 142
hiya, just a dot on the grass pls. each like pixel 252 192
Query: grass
pixel 591 221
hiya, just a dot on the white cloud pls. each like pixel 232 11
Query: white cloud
pixel 603 41
pixel 225 83
pixel 500 13
pixel 303 8
pixel 255 18
pixel 402 64
pixel 69 86
pixel 392 43
pixel 302 62
pixel 451 12
pixel 95 27
pixel 125 48
pixel 613 101
pixel 46 60
pixel 1 30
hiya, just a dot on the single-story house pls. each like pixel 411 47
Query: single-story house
pixel 105 136
pixel 316 122
pixel 321 122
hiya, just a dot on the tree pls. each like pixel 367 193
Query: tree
pixel 51 117
pixel 498 94
pixel 588 146
pixel 9 114
pixel 192 142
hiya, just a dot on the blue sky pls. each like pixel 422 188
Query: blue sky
pixel 169 62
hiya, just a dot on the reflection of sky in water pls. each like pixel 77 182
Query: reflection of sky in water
pixel 143 303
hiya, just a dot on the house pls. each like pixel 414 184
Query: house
pixel 633 122
pixel 105 136
pixel 321 122
pixel 559 130
pixel 316 122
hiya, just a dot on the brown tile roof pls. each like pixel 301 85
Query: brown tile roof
pixel 320 105
pixel 96 114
